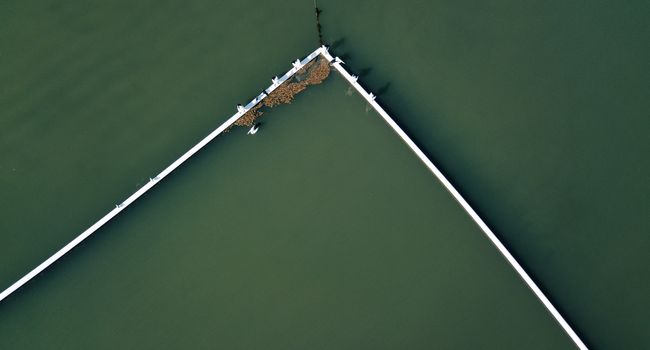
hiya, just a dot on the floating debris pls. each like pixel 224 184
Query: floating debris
pixel 312 73
pixel 248 119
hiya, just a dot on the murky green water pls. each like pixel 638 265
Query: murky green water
pixel 323 231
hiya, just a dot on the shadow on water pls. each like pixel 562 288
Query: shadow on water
pixel 383 89
pixel 337 44
pixel 365 71
pixel 337 48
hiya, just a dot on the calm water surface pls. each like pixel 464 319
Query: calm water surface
pixel 324 231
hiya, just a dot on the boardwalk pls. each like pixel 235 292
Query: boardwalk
pixel 241 110
pixel 370 98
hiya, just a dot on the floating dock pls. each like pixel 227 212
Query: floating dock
pixel 241 110
pixel 371 99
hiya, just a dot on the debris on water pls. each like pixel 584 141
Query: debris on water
pixel 248 119
pixel 312 73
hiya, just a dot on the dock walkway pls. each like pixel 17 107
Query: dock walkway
pixel 241 110
pixel 371 99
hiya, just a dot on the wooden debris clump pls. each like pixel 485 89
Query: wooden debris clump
pixel 313 73
pixel 248 119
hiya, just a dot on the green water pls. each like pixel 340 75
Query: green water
pixel 539 112
pixel 323 231
pixel 304 236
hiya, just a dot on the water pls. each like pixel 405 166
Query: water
pixel 539 113
pixel 86 85
pixel 532 110
pixel 304 235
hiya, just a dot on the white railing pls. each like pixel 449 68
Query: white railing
pixel 371 99
pixel 241 110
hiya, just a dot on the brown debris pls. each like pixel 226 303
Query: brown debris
pixel 318 73
pixel 313 73
pixel 248 119
pixel 283 94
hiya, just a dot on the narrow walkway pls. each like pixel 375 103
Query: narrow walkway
pixel 353 80
pixel 241 110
